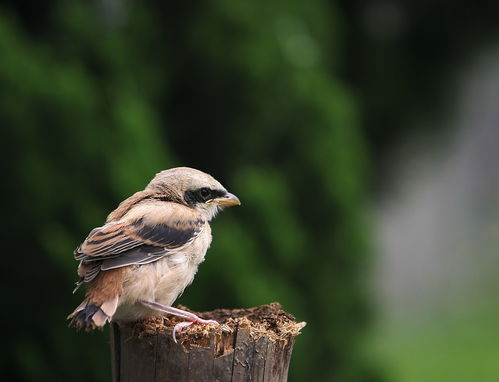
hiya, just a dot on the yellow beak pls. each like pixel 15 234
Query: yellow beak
pixel 227 200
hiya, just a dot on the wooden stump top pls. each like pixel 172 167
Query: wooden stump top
pixel 252 344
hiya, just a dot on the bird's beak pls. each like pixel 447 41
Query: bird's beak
pixel 226 201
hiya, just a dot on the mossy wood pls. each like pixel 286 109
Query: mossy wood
pixel 250 345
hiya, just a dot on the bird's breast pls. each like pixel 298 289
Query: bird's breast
pixel 163 280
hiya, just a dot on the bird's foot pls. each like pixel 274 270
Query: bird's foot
pixel 180 326
pixel 190 317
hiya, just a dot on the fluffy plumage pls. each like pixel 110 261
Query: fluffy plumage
pixel 149 248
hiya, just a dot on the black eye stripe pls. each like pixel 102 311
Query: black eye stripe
pixel 218 193
pixel 205 192
pixel 202 195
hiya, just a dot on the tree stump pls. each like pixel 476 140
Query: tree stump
pixel 250 345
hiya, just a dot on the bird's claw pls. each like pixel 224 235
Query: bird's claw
pixel 189 316
pixel 180 326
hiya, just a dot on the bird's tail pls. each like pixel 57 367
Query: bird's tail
pixel 89 315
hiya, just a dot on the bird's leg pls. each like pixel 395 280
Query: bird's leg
pixel 190 317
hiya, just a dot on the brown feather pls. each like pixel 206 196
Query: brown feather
pixel 110 239
pixel 167 219
pixel 106 286
pixel 127 204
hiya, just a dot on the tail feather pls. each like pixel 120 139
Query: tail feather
pixel 90 316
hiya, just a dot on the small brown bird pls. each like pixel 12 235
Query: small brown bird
pixel 149 250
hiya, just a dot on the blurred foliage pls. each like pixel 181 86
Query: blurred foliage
pixel 96 97
pixel 95 101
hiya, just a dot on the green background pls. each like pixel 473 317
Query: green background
pixel 291 105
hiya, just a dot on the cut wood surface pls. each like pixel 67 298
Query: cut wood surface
pixel 252 344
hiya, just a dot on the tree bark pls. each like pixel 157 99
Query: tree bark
pixel 250 345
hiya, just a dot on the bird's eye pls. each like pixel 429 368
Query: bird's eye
pixel 205 193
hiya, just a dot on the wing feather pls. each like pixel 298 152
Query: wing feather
pixel 141 255
pixel 139 238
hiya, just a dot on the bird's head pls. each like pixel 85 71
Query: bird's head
pixel 193 188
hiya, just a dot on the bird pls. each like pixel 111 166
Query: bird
pixel 148 251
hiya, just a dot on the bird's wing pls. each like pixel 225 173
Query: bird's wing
pixel 146 235
pixel 172 227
